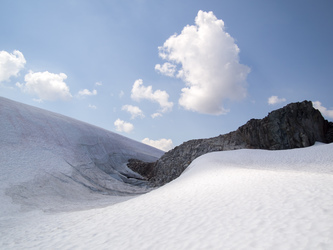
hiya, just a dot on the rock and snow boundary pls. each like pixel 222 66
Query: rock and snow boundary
pixel 243 199
pixel 296 125
pixel 64 184
pixel 48 161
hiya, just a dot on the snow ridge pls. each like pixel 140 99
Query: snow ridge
pixel 46 156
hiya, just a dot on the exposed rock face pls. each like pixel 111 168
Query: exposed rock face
pixel 293 126
pixel 145 169
pixel 329 134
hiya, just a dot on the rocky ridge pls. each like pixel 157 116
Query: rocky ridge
pixel 294 126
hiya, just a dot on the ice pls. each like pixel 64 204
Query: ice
pixel 243 199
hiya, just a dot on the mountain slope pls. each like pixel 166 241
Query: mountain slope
pixel 241 199
pixel 46 157
pixel 294 126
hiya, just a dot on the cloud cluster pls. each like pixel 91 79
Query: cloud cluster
pixel 275 100
pixel 10 64
pixel 209 65
pixel 162 144
pixel 122 126
pixel 139 92
pixel 134 111
pixel 46 85
pixel 324 111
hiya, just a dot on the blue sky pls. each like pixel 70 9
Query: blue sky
pixel 164 72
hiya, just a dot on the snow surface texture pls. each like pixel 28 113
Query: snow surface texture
pixel 53 162
pixel 243 199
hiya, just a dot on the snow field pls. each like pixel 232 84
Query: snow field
pixel 244 199
pixel 55 163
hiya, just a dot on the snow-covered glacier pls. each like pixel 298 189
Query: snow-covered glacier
pixel 62 181
pixel 48 160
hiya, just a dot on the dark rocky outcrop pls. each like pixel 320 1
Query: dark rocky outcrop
pixel 329 133
pixel 145 169
pixel 293 126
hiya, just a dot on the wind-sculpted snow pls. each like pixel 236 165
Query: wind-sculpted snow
pixel 242 199
pixel 48 160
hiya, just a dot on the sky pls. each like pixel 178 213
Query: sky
pixel 165 72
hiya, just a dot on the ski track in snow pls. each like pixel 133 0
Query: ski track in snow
pixel 244 199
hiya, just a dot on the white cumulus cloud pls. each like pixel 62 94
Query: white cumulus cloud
pixel 275 100
pixel 162 144
pixel 46 85
pixel 167 69
pixel 123 126
pixel 209 61
pixel 139 91
pixel 86 92
pixel 324 111
pixel 134 111
pixel 10 64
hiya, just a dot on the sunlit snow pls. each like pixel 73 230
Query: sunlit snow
pixel 243 199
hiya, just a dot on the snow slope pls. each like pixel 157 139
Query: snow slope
pixel 244 199
pixel 48 161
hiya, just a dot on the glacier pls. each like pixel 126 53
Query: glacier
pixel 242 199
pixel 47 157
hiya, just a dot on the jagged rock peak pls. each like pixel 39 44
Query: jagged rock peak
pixel 294 126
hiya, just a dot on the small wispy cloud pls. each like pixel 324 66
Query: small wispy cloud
pixel 92 106
pixel 86 92
pixel 155 115
pixel 98 83
pixel 37 100
pixel 275 100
